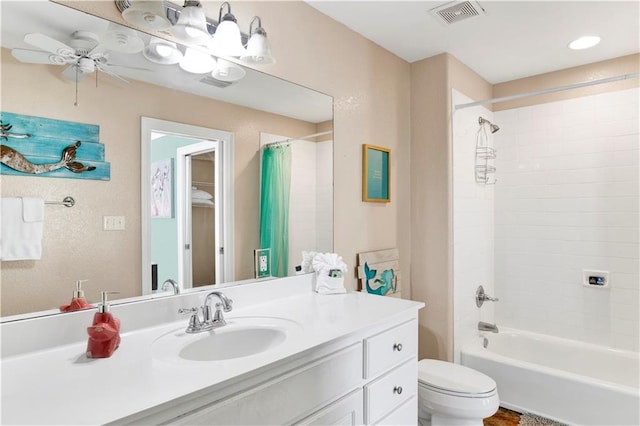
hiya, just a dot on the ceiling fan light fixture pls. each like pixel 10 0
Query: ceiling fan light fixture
pixel 197 62
pixel 148 14
pixel 227 40
pixel 122 39
pixel 162 52
pixel 228 71
pixel 258 50
pixel 192 24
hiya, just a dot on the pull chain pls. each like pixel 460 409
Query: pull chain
pixel 76 102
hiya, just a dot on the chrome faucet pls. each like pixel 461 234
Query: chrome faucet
pixel 171 284
pixel 485 326
pixel 224 304
pixel 207 323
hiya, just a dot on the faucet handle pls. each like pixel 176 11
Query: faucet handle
pixel 187 311
pixel 195 325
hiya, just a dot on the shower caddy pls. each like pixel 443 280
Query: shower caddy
pixel 484 169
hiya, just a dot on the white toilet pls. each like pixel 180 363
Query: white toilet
pixel 452 394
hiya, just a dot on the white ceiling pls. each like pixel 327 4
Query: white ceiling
pixel 514 39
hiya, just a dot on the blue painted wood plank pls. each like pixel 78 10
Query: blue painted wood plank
pixel 48 127
pixel 102 172
pixel 52 148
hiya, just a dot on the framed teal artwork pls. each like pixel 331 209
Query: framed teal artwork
pixel 376 174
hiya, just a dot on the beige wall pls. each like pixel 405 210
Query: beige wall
pixel 431 223
pixel 74 244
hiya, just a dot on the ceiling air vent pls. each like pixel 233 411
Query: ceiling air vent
pixel 215 82
pixel 458 11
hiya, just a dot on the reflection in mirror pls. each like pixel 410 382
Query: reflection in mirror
pixel 190 219
pixel 75 243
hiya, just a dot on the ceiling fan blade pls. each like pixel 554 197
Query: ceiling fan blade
pixel 70 73
pixel 37 57
pixel 49 44
pixel 105 69
pixel 98 51
pixel 128 67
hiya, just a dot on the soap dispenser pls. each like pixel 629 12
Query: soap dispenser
pixel 104 333
pixel 78 301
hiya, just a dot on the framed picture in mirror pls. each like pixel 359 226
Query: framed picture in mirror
pixel 161 189
pixel 376 174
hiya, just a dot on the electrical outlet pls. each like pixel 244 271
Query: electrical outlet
pixel 113 223
pixel 263 264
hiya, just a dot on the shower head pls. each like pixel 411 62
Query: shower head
pixel 493 127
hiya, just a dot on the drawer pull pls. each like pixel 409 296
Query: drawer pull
pixel 398 390
pixel 397 347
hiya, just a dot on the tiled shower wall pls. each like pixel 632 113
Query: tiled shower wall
pixel 567 201
pixel 473 228
pixel 310 215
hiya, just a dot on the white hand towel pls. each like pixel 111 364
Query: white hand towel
pixel 307 261
pixel 324 265
pixel 21 228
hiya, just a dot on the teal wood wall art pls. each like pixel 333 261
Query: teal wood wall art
pixel 44 147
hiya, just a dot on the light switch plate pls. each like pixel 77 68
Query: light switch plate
pixel 113 223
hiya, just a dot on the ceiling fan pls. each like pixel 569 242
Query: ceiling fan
pixel 83 53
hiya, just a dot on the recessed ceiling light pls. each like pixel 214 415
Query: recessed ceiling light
pixel 584 42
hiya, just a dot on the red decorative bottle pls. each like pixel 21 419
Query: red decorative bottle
pixel 78 302
pixel 104 333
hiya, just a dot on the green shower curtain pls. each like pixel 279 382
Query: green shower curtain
pixel 274 206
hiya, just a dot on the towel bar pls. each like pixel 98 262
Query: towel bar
pixel 67 202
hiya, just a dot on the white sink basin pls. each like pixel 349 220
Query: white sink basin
pixel 241 337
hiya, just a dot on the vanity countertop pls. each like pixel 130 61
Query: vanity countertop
pixel 62 386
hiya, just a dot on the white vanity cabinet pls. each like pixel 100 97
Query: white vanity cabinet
pixel 347 359
pixel 369 378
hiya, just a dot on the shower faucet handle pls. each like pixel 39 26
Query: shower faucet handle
pixel 482 297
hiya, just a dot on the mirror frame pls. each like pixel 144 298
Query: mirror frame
pixel 225 139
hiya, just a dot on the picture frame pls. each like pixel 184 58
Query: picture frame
pixel 376 174
pixel 262 263
pixel 162 189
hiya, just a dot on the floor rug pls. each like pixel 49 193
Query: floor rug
pixel 528 419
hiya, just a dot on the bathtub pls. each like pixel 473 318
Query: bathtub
pixel 564 380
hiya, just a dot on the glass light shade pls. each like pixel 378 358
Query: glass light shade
pixel 162 52
pixel 147 14
pixel 122 39
pixel 258 50
pixel 228 71
pixel 226 40
pixel 197 62
pixel 191 26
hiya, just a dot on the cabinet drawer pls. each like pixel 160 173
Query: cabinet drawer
pixel 346 411
pixel 390 348
pixel 287 398
pixel 405 414
pixel 389 391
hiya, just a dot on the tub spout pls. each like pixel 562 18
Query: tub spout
pixel 485 326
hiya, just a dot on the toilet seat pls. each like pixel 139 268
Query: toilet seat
pixel 454 379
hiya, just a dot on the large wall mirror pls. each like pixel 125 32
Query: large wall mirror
pixel 256 112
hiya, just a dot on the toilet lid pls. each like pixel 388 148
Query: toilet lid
pixel 454 377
